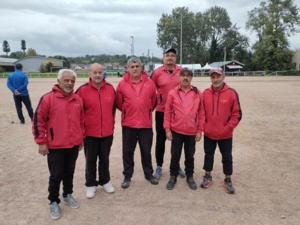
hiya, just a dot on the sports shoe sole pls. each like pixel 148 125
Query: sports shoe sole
pixel 229 192
pixel 207 186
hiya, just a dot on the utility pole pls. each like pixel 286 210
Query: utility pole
pixel 132 46
pixel 181 39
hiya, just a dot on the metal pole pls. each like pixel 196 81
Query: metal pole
pixel 181 39
pixel 224 59
pixel 132 46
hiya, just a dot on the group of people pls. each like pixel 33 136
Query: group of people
pixel 65 121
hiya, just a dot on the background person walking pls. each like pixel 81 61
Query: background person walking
pixel 17 82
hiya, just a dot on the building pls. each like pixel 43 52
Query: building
pixel 7 64
pixel 33 63
pixel 229 67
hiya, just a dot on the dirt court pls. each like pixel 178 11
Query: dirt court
pixel 266 168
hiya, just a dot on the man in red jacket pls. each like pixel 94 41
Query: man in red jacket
pixel 182 123
pixel 165 79
pixel 136 100
pixel 99 99
pixel 222 113
pixel 58 129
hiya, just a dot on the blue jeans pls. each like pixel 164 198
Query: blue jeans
pixel 18 102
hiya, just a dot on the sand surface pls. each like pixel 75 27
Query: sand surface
pixel 266 168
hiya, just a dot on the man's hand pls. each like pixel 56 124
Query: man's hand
pixel 43 149
pixel 16 92
pixel 80 147
pixel 198 136
pixel 169 136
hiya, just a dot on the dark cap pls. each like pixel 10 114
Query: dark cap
pixel 186 69
pixel 19 66
pixel 170 50
pixel 216 70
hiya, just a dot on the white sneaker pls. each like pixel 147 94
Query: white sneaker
pixel 108 187
pixel 90 192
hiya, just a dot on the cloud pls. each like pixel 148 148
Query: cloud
pixel 91 27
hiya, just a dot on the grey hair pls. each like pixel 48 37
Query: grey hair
pixel 133 60
pixel 62 71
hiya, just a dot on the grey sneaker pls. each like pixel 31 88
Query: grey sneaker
pixel 228 186
pixel 157 173
pixel 55 211
pixel 207 181
pixel 181 173
pixel 69 200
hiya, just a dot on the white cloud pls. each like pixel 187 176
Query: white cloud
pixel 88 27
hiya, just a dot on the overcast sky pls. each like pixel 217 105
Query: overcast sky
pixel 93 27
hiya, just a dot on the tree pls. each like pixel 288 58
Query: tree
pixel 48 66
pixel 31 52
pixel 23 46
pixel 204 34
pixel 6 47
pixel 273 22
pixel 17 55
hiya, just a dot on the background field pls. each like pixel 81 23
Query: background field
pixel 266 168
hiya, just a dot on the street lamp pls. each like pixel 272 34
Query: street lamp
pixel 132 46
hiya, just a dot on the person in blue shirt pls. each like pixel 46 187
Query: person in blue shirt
pixel 17 82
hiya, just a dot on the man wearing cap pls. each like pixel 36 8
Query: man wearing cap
pixel 17 82
pixel 222 113
pixel 182 123
pixel 165 78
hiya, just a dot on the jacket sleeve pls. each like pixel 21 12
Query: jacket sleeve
pixel 202 113
pixel 119 97
pixel 168 113
pixel 9 84
pixel 153 95
pixel 39 125
pixel 200 116
pixel 82 118
pixel 236 112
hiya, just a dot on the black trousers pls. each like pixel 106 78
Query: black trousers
pixel 97 149
pixel 160 138
pixel 18 103
pixel 225 147
pixel 61 164
pixel 189 143
pixel 130 137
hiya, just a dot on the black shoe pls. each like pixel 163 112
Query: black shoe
pixel 152 180
pixel 192 184
pixel 171 183
pixel 125 183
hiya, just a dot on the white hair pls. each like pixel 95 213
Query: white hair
pixel 62 71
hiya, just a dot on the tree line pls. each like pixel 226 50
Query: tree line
pixel 210 36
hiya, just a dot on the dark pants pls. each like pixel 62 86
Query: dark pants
pixel 18 103
pixel 97 148
pixel 189 151
pixel 61 164
pixel 225 147
pixel 160 138
pixel 130 137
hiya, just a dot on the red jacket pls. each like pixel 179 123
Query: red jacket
pixel 177 119
pixel 58 120
pixel 99 107
pixel 136 109
pixel 222 112
pixel 164 82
